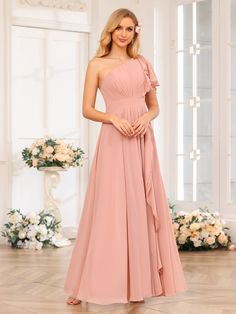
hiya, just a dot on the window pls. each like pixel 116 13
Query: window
pixel 205 113
pixel 194 104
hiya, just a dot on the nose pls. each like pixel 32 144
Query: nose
pixel 123 33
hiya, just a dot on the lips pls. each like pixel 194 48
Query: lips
pixel 122 40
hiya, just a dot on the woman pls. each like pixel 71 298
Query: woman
pixel 125 248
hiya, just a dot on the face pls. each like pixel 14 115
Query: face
pixel 124 32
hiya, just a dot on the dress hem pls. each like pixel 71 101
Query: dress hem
pixel 92 300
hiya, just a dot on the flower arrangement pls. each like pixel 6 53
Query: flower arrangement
pixel 200 230
pixel 50 152
pixel 31 231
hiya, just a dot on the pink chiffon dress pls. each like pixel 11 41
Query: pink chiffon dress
pixel 125 249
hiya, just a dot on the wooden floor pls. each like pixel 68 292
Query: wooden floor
pixel 32 282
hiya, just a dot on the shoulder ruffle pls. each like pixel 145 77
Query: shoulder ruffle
pixel 151 79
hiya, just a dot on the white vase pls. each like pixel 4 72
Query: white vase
pixel 51 180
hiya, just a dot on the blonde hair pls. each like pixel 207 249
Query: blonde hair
pixel 105 41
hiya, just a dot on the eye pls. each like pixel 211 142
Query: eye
pixel 118 27
pixel 130 29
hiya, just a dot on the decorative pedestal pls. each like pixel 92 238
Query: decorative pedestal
pixel 51 180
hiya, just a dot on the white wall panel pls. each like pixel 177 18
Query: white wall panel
pixel 27 82
pixel 64 81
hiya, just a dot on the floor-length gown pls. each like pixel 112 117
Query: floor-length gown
pixel 125 248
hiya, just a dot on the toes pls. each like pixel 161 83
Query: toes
pixel 75 302
pixel 70 300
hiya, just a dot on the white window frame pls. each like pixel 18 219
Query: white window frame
pixel 220 113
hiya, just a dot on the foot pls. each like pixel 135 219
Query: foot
pixel 141 301
pixel 73 301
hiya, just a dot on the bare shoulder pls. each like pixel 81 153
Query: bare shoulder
pixel 95 64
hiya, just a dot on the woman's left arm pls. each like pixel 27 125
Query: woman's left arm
pixel 141 124
pixel 152 104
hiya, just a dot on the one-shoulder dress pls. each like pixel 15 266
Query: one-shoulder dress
pixel 125 249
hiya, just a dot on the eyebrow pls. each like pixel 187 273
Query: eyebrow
pixel 127 26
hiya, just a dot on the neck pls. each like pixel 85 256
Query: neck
pixel 117 52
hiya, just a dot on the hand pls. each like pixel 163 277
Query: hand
pixel 122 125
pixel 141 125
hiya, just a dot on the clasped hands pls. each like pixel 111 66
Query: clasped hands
pixel 138 127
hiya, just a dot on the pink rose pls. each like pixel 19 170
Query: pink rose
pixel 49 150
pixel 138 28
pixel 60 157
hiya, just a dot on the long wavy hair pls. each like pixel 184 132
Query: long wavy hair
pixel 105 42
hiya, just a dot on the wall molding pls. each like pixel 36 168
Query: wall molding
pixel 73 5
pixel 49 24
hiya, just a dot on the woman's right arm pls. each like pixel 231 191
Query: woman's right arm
pixel 89 95
pixel 89 99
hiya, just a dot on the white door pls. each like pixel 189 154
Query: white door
pixel 48 69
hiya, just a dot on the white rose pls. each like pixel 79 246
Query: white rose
pixel 33 218
pixel 43 229
pixel 183 228
pixel 194 238
pixel 182 239
pixel 210 240
pixel 15 218
pixel 204 234
pixel 20 244
pixel 197 243
pixel 31 233
pixel 195 226
pixel 22 234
